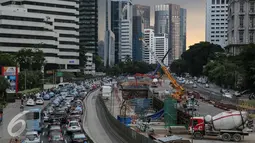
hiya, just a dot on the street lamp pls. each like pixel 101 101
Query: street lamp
pixel 192 114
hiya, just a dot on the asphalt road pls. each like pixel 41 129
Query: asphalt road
pixel 9 113
pixel 93 124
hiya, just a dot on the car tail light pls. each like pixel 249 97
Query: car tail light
pixel 49 138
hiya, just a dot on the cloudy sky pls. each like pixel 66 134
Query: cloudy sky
pixel 195 17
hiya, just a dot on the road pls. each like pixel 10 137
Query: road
pixel 10 112
pixel 93 124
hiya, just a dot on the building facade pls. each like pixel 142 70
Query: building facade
pixel 100 50
pixel 88 19
pixel 161 47
pixel 216 22
pixel 33 22
pixel 183 29
pixel 150 41
pixel 90 66
pixel 241 25
pixel 168 21
pixel 141 18
pixel 109 40
pixel 161 18
pixel 121 25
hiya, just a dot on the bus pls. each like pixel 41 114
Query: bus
pixel 33 120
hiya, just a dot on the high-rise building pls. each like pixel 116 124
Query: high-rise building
pixel 183 31
pixel 51 25
pixel 141 19
pixel 241 25
pixel 88 19
pixel 144 11
pixel 150 41
pixel 121 25
pixel 161 19
pixel 100 50
pixel 161 47
pixel 109 40
pixel 216 22
pixel 167 20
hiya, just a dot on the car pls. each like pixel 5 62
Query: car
pixel 53 128
pixel 56 136
pixel 39 101
pixel 46 116
pixel 54 121
pixel 75 114
pixel 228 95
pixel 30 102
pixel 73 126
pixel 32 137
pixel 46 97
pixel 79 138
pixel 194 86
pixel 207 85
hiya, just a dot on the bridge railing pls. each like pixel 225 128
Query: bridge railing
pixel 118 129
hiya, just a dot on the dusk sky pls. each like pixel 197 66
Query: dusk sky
pixel 195 17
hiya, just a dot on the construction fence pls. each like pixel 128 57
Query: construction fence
pixel 124 133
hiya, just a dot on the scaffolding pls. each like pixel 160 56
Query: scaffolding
pixel 141 106
pixel 170 112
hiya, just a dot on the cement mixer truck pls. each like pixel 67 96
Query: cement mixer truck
pixel 227 126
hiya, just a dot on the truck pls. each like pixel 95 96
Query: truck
pixel 106 92
pixel 228 125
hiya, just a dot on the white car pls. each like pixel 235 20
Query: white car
pixel 207 85
pixel 39 101
pixel 73 126
pixel 30 102
pixel 194 86
pixel 227 95
pixel 32 137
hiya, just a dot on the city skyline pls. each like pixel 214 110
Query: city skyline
pixel 195 17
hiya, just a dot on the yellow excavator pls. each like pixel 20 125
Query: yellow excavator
pixel 179 90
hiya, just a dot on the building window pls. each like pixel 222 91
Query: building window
pixel 222 1
pixel 213 1
pixel 251 33
pixel 241 36
pixel 251 6
pixel 251 21
pixel 218 1
pixel 241 6
pixel 241 18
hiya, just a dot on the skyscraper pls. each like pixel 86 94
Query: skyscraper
pixel 121 25
pixel 161 46
pixel 183 27
pixel 167 20
pixel 88 19
pixel 109 40
pixel 216 22
pixel 150 41
pixel 50 25
pixel 141 17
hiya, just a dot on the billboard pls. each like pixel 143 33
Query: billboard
pixel 11 74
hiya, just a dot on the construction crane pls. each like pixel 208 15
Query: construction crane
pixel 179 90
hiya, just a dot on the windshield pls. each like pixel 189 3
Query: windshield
pixel 56 137
pixel 31 137
pixel 74 124
pixel 32 115
pixel 79 136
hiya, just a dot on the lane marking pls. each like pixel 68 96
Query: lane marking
pixel 41 141
pixel 65 141
pixel 43 133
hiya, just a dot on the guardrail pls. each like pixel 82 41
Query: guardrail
pixel 115 127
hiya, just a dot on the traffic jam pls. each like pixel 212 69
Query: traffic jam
pixel 61 120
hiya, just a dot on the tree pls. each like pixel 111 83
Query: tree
pixel 4 84
pixel 98 63
pixel 32 59
pixel 7 59
pixel 179 67
pixel 198 55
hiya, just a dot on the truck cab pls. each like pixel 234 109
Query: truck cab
pixel 198 124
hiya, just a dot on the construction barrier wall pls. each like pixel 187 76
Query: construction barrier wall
pixel 118 129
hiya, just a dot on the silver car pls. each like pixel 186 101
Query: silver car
pixel 32 137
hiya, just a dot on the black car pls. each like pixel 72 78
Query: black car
pixel 78 138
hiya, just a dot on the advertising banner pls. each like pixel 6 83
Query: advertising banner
pixel 11 74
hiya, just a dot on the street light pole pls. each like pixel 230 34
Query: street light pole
pixel 192 114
